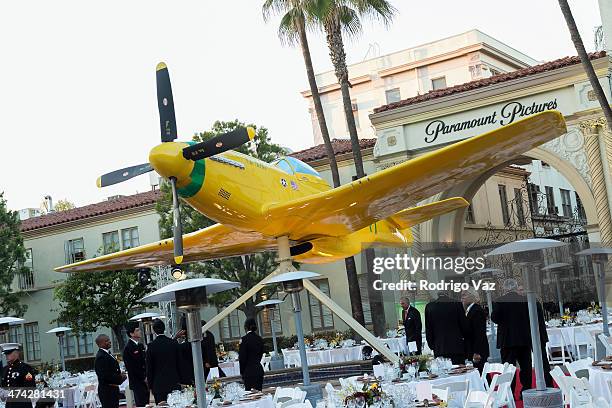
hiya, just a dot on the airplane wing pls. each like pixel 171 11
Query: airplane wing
pixel 416 215
pixel 353 206
pixel 216 241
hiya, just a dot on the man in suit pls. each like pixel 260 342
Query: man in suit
pixel 413 327
pixel 109 375
pixel 134 356
pixel 163 361
pixel 446 328
pixel 209 352
pixel 249 354
pixel 477 343
pixel 511 314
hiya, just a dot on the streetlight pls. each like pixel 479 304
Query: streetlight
pixel 276 361
pixel 556 274
pixel 487 275
pixel 147 320
pixel 60 332
pixel 189 295
pixel 293 284
pixel 528 255
pixel 599 256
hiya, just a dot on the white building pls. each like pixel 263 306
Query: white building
pixel 414 71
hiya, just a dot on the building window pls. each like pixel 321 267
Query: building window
pixel 26 276
pixel 86 344
pixel 230 326
pixel 69 345
pixel 129 237
pixel 32 341
pixel 393 95
pixel 111 242
pixel 518 202
pixel 264 321
pixel 438 83
pixel 15 334
pixel 503 199
pixel 321 317
pixel 534 192
pixel 580 209
pixel 355 109
pixel 75 250
pixel 365 298
pixel 469 215
pixel 566 204
pixel 550 201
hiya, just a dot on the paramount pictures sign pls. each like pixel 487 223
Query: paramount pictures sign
pixel 508 113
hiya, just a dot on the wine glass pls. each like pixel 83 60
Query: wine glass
pixel 351 403
pixel 360 402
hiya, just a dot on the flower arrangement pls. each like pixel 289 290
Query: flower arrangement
pixel 594 308
pixel 419 362
pixel 215 387
pixel 370 393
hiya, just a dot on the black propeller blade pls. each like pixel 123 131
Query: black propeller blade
pixel 177 226
pixel 165 104
pixel 219 144
pixel 127 173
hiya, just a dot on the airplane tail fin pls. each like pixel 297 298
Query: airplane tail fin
pixel 416 215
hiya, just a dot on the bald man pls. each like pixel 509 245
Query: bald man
pixel 476 341
pixel 108 372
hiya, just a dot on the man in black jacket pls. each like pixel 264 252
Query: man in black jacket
pixel 476 343
pixel 108 373
pixel 411 319
pixel 163 360
pixel 446 328
pixel 134 356
pixel 511 314
pixel 249 355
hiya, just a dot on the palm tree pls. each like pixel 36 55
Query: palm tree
pixel 338 17
pixel 292 31
pixel 586 62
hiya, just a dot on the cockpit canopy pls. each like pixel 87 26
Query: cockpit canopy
pixel 291 165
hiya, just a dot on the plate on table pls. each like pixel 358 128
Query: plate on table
pixel 458 370
pixel 421 404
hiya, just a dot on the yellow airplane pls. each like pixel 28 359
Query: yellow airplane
pixel 256 203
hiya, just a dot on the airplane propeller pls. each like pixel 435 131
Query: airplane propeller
pixel 198 151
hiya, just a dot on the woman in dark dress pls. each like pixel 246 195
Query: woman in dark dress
pixel 249 354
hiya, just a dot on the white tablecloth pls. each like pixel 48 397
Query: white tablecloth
pixel 230 368
pixel 573 334
pixel 316 357
pixel 598 379
pixel 264 402
pixel 396 344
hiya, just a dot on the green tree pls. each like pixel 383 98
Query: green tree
pixel 90 300
pixel 292 30
pixel 63 205
pixel 248 269
pixel 338 18
pixel 12 259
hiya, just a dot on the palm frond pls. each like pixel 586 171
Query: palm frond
pixel 273 7
pixel 380 10
pixel 289 26
pixel 349 21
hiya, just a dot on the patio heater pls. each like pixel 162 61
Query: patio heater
pixel 487 275
pixel 555 272
pixel 293 284
pixel 599 257
pixel 528 255
pixel 276 361
pixel 60 332
pixel 147 323
pixel 189 295
pixel 5 322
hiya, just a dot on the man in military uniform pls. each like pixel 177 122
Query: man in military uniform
pixel 134 356
pixel 16 374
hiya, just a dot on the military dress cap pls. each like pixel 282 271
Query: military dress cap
pixel 9 347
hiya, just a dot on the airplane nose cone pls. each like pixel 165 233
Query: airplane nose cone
pixel 167 159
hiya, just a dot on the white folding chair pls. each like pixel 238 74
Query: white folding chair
pixel 501 391
pixel 555 344
pixel 607 342
pixel 441 393
pixel 492 368
pixel 579 368
pixel 283 395
pixel 477 399
pixel 559 376
pixel 583 340
pixel 457 390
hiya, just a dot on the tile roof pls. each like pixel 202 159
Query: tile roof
pixel 480 83
pixel 340 146
pixel 91 210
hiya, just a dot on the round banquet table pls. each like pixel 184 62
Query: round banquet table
pixel 569 333
pixel 598 378
pixel 230 368
pixel 327 356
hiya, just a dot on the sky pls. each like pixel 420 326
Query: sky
pixel 77 79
